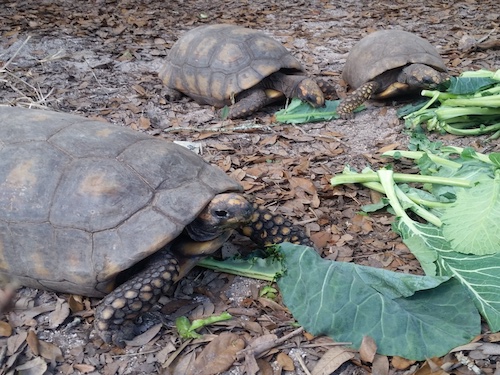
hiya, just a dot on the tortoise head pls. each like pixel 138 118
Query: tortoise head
pixel 421 76
pixel 213 226
pixel 309 91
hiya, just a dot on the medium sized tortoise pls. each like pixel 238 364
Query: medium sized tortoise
pixel 100 210
pixel 389 63
pixel 228 65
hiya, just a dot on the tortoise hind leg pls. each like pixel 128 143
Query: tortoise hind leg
pixel 356 98
pixel 116 313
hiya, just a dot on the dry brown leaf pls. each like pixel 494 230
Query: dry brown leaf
pixel 401 363
pixel 380 365
pixel 50 351
pixel 75 303
pixel 15 342
pixel 60 313
pixel 5 329
pixel 430 367
pixel 37 366
pixel 332 360
pixel 145 337
pixel 285 362
pixel 84 368
pixel 218 355
pixel 264 367
pixel 367 349
pixel 32 341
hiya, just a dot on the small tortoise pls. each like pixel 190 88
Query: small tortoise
pixel 389 63
pixel 242 68
pixel 101 210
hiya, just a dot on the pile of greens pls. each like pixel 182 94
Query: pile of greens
pixel 470 105
pixel 453 230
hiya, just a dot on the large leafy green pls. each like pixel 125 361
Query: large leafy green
pixel 299 112
pixel 475 231
pixel 415 317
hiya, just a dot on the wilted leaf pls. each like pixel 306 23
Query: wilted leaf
pixel 145 337
pixel 37 366
pixel 32 341
pixel 5 329
pixel 367 349
pixel 50 351
pixel 285 362
pixel 59 315
pixel 84 368
pixel 218 355
pixel 332 360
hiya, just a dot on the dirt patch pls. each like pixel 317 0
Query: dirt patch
pixel 101 59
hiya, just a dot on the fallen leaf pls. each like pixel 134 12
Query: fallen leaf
pixel 264 367
pixel 60 313
pixel 367 349
pixel 218 355
pixel 332 360
pixel 82 367
pixel 380 365
pixel 285 362
pixel 401 363
pixel 50 351
pixel 37 366
pixel 145 337
pixel 32 341
pixel 5 329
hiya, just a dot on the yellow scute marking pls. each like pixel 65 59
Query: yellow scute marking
pixel 104 133
pixel 40 270
pixel 22 174
pixel 98 184
pixel 3 262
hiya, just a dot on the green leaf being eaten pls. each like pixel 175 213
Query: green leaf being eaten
pixel 477 230
pixel 415 317
pixel 298 112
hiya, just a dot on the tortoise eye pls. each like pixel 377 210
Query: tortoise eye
pixel 221 213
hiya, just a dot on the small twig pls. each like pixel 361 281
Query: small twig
pixel 464 360
pixel 93 74
pixel 302 364
pixel 487 36
pixel 15 54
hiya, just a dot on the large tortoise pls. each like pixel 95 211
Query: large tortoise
pixel 86 205
pixel 228 65
pixel 389 63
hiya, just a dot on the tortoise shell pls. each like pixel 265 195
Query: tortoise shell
pixel 211 64
pixel 82 200
pixel 384 50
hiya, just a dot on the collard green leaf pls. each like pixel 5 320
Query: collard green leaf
pixel 469 85
pixel 481 276
pixel 354 301
pixel 298 112
pixel 472 224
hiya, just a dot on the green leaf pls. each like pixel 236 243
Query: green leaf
pixel 481 276
pixel 469 85
pixel 472 224
pixel 298 112
pixel 495 158
pixel 415 317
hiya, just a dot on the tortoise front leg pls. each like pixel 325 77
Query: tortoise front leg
pixel 356 98
pixel 251 101
pixel 116 313
pixel 267 228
